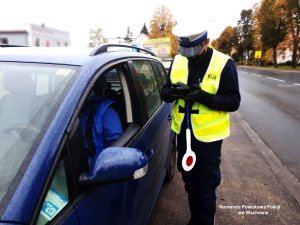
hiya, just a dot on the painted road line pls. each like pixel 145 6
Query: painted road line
pixel 296 84
pixel 286 85
pixel 271 78
pixel 254 74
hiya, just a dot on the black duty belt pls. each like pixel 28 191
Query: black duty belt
pixel 192 111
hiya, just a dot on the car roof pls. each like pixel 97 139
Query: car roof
pixel 64 55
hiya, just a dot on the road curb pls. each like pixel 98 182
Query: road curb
pixel 289 181
pixel 270 68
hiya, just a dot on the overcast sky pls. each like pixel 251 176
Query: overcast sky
pixel 78 17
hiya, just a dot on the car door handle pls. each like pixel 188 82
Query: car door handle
pixel 149 154
pixel 169 117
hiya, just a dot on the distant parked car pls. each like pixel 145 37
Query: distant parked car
pixel 45 177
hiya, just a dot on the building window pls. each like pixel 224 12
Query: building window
pixel 37 42
pixel 4 41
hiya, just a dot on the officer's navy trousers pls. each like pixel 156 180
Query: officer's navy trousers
pixel 201 182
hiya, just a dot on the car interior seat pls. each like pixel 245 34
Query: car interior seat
pixel 104 89
pixel 100 87
pixel 16 105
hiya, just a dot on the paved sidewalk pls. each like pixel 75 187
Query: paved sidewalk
pixel 254 190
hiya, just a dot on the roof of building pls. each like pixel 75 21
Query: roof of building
pixel 13 31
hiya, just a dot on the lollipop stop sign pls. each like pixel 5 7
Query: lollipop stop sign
pixel 189 158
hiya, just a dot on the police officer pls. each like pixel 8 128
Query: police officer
pixel 203 82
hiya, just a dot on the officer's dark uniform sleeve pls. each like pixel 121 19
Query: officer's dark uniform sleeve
pixel 166 91
pixel 228 95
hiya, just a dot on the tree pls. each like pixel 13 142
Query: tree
pixel 273 25
pixel 227 41
pixel 293 14
pixel 257 44
pixel 161 25
pixel 245 35
pixel 96 37
pixel 144 30
pixel 129 34
pixel 214 44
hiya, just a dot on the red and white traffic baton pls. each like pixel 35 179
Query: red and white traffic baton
pixel 189 158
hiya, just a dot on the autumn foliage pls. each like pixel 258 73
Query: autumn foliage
pixel 161 26
pixel 272 27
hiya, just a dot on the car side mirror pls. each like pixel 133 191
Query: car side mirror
pixel 116 164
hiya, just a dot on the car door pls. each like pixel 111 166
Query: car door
pixel 154 138
pixel 106 204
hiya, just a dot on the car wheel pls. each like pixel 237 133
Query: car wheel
pixel 172 162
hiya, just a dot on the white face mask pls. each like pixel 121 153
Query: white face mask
pixel 191 51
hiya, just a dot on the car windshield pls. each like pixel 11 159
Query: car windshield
pixel 28 94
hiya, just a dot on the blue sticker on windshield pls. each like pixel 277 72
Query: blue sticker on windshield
pixel 53 204
pixel 49 209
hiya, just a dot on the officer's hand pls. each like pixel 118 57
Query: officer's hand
pixel 174 93
pixel 168 93
pixel 180 89
pixel 178 84
pixel 194 94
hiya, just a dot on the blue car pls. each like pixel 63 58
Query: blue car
pixel 46 174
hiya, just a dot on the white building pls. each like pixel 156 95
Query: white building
pixel 285 56
pixel 35 35
pixel 136 42
pixel 140 40
pixel 115 40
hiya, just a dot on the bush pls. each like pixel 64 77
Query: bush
pixel 288 63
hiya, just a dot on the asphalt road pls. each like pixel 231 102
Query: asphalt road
pixel 249 179
pixel 271 105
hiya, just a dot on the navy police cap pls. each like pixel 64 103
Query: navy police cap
pixel 189 38
pixel 187 42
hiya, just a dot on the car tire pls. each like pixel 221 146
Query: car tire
pixel 172 162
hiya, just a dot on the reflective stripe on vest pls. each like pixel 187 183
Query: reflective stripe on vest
pixel 208 125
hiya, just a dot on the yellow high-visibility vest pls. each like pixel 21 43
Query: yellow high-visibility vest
pixel 208 125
